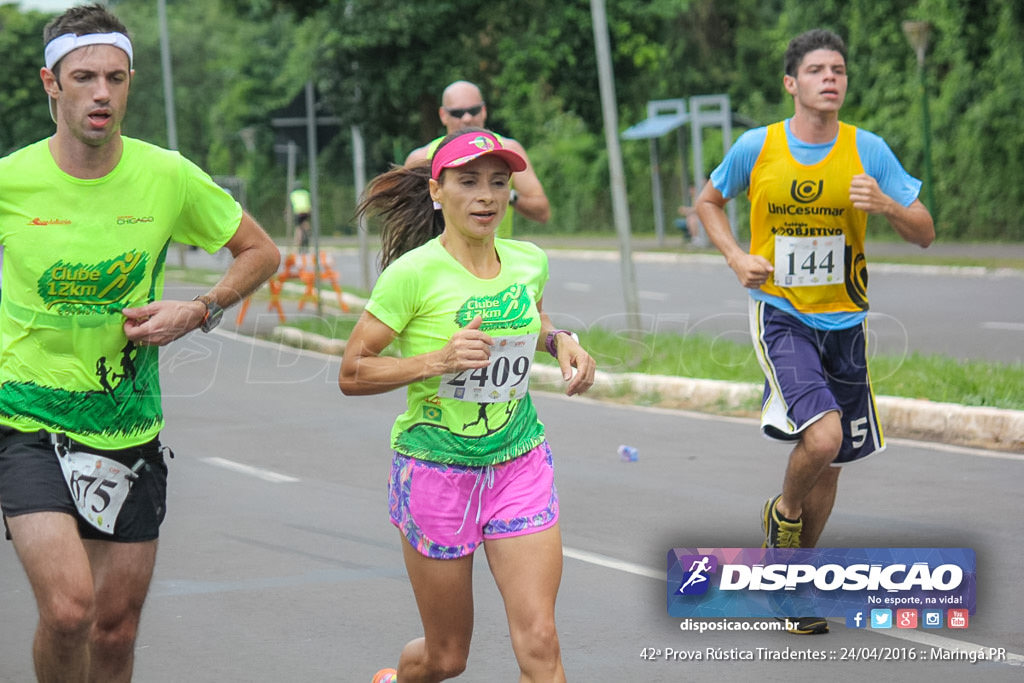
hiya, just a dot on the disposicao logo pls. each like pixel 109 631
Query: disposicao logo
pixel 831 582
pixel 696 579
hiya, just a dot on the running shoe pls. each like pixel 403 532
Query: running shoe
pixel 805 626
pixel 779 533
pixel 385 676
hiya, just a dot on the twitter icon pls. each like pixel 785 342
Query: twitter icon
pixel 881 618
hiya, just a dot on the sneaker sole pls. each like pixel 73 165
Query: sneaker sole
pixel 766 521
pixel 810 628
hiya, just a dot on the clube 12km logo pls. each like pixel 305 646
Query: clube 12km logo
pixel 830 582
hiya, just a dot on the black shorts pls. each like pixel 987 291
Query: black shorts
pixel 31 480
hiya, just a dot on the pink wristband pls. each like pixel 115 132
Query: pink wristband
pixel 549 343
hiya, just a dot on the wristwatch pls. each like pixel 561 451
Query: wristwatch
pixel 549 343
pixel 214 313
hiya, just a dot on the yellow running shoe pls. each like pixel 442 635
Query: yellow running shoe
pixel 778 532
pixel 806 626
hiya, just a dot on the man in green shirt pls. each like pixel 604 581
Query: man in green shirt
pixel 302 208
pixel 462 106
pixel 86 218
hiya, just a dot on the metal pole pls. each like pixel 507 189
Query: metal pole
pixel 918 33
pixel 618 175
pixel 359 167
pixel 314 189
pixel 684 174
pixel 656 194
pixel 165 62
pixel 289 215
pixel 730 208
pixel 697 144
pixel 928 187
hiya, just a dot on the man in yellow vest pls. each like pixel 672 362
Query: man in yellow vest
pixel 462 106
pixel 812 181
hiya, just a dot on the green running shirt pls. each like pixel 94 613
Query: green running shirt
pixel 75 253
pixel 426 296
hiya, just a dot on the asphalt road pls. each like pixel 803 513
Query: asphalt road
pixel 278 563
pixel 966 313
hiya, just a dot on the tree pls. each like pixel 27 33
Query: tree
pixel 228 78
pixel 24 118
pixel 382 65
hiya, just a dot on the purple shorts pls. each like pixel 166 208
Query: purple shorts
pixel 446 511
pixel 809 373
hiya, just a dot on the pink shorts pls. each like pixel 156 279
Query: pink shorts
pixel 446 511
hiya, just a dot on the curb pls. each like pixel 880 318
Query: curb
pixel 307 341
pixel 949 423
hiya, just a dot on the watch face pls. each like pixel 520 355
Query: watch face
pixel 214 318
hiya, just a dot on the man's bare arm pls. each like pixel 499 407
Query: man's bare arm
pixel 532 202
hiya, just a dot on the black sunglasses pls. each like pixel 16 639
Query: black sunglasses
pixel 459 113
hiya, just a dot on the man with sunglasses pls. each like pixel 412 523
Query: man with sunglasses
pixel 462 106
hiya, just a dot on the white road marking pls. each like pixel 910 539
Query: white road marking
pixel 1008 327
pixel 960 450
pixel 258 472
pixel 612 563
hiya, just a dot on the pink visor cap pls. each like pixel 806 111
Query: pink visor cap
pixel 466 148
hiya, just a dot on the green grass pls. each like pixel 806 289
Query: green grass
pixel 936 378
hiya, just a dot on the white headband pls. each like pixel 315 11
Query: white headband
pixel 57 48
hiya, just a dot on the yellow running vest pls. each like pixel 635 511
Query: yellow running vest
pixel 802 221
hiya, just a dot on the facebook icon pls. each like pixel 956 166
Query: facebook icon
pixel 856 619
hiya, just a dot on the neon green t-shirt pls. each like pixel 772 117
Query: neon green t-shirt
pixel 75 253
pixel 508 221
pixel 426 296
pixel 301 201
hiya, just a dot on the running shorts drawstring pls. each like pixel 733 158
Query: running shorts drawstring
pixel 487 475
